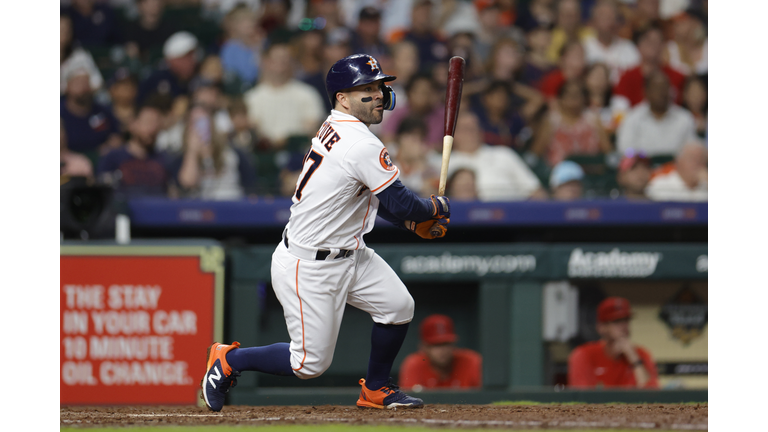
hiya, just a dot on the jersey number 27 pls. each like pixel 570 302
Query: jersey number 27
pixel 315 159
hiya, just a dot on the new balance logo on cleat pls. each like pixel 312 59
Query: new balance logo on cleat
pixel 219 376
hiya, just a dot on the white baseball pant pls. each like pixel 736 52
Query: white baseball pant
pixel 313 294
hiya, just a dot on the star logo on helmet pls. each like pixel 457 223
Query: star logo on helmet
pixel 373 63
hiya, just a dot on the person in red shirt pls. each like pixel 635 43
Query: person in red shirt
pixel 630 89
pixel 613 361
pixel 439 363
pixel 572 67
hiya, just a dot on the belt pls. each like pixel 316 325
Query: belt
pixel 322 254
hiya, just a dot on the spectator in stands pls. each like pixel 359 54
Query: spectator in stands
pixel 424 103
pixel 598 85
pixel 72 164
pixel 241 52
pixel 500 122
pixel 281 106
pixel 634 175
pixel 695 101
pixel 145 35
pixel 73 56
pixel 539 13
pixel 565 181
pixel 461 186
pixel 605 46
pixel 572 67
pixel 411 157
pixel 491 29
pixel 330 10
pixel 685 180
pixel 613 361
pixel 210 168
pixel 506 65
pixel 243 136
pixel 501 173
pixel 122 90
pixel 630 89
pixel 568 28
pixel 439 363
pixel 289 175
pixel 406 64
pixel 422 33
pixel 93 23
pixel 645 14
pixel 657 126
pixel 174 76
pixel 90 126
pixel 136 169
pixel 367 37
pixel 309 47
pixel 687 52
pixel 571 129
pixel 537 65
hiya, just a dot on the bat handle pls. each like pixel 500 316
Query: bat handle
pixel 447 146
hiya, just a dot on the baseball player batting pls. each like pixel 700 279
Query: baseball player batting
pixel 322 262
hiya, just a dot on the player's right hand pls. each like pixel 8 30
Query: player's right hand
pixel 441 207
pixel 430 229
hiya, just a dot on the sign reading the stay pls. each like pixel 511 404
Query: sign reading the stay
pixel 134 328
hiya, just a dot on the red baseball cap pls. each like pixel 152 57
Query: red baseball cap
pixel 613 309
pixel 632 158
pixel 437 329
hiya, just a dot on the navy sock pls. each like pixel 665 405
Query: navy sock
pixel 273 359
pixel 386 340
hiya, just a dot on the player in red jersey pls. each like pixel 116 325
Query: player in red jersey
pixel 439 364
pixel 613 361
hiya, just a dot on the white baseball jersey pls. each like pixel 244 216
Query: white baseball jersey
pixel 334 205
pixel 335 201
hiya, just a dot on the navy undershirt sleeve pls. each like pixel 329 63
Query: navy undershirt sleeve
pixel 403 204
pixel 389 217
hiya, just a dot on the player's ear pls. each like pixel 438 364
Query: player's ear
pixel 342 99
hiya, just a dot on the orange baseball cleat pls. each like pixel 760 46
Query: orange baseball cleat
pixel 389 396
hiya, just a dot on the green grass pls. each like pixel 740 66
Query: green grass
pixel 310 428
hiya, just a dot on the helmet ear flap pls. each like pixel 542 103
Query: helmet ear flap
pixel 390 98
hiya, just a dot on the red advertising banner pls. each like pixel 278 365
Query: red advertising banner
pixel 134 329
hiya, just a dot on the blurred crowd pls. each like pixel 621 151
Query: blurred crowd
pixel 218 99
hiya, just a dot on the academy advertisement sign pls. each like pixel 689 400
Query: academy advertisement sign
pixel 479 265
pixel 455 262
pixel 612 264
pixel 134 328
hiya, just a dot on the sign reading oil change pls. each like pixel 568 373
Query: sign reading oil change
pixel 134 328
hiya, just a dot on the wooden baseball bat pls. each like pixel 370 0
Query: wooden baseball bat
pixel 452 101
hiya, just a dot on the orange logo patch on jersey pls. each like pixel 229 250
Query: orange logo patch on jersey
pixel 385 161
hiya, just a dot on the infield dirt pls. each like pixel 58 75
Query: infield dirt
pixel 618 416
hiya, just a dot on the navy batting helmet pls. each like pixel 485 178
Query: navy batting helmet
pixel 356 70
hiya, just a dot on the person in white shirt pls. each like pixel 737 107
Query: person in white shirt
pixel 606 46
pixel 687 181
pixel 502 175
pixel 656 126
pixel 281 106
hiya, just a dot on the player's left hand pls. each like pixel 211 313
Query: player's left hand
pixel 441 207
pixel 430 229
